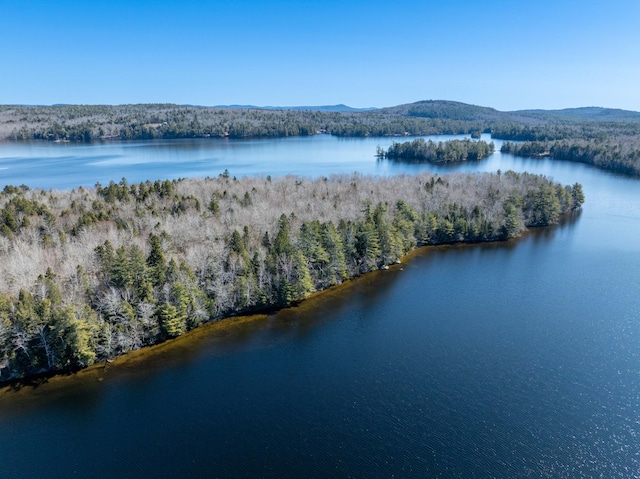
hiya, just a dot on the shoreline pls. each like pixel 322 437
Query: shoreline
pixel 216 329
pixel 175 298
pixel 23 393
pixel 180 349
pixel 211 329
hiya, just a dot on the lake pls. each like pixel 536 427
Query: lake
pixel 516 359
pixel 67 165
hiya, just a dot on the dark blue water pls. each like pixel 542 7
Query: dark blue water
pixel 516 359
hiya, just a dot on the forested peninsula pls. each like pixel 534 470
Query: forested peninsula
pixel 606 138
pixel 453 151
pixel 89 274
pixel 619 156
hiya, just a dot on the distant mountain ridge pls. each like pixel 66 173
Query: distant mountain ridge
pixel 594 113
pixel 445 109
pixel 453 110
pixel 430 109
pixel 324 108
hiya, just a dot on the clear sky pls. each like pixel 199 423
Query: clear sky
pixel 507 54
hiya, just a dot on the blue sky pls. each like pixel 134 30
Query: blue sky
pixel 504 54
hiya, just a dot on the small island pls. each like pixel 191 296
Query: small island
pixel 93 273
pixel 453 151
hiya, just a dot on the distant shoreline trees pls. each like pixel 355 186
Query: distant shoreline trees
pixel 89 274
pixel 622 157
pixel 87 123
pixel 609 142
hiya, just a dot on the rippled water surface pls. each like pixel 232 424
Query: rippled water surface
pixel 516 359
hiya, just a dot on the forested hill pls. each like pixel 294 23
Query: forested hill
pixel 452 110
pixel 325 108
pixel 84 123
pixel 92 273
pixel 445 110
pixel 591 113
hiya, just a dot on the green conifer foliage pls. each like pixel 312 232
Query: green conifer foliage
pixel 172 323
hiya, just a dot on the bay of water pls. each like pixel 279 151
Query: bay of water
pixel 68 165
pixel 516 359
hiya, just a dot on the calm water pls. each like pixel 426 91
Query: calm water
pixel 517 359
pixel 64 166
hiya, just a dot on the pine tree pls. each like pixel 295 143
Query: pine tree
pixel 336 266
pixel 73 339
pixel 513 223
pixel 172 323
pixel 367 241
pixel 577 196
pixel 156 262
pixel 546 206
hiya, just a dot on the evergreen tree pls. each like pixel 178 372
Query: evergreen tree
pixel 405 223
pixel 172 323
pixel 577 196
pixel 336 270
pixel 155 261
pixel 513 223
pixel 289 267
pixel 545 208
pixel 73 339
pixel 367 241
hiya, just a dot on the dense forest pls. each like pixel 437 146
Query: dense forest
pixel 621 155
pixel 606 138
pixel 93 273
pixel 85 123
pixel 453 151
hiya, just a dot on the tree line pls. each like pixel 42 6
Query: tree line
pixel 86 123
pixel 621 155
pixel 93 273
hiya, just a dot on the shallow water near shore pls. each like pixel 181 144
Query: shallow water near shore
pixel 513 359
